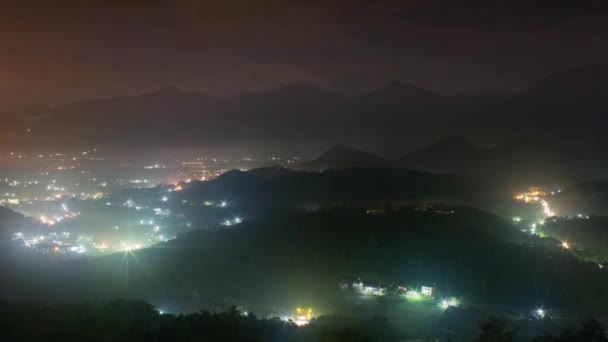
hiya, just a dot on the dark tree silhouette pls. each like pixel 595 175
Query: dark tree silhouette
pixel 592 330
pixel 495 330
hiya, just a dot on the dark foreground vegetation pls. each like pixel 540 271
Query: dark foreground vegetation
pixel 124 320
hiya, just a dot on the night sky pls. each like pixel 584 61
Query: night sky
pixel 56 52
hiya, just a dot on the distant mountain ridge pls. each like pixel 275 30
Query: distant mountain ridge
pixel 571 104
pixel 519 161
pixel 298 112
pixel 568 105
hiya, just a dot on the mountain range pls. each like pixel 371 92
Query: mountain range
pixel 517 162
pixel 563 105
pixel 567 105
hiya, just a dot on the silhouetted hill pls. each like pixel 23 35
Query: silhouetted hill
pixel 172 100
pixel 165 114
pixel 518 162
pixel 568 104
pixel 528 161
pixel 587 198
pixel 270 172
pixel 399 111
pixel 588 235
pixel 332 186
pixel 340 157
pixel 450 154
pixel 12 222
pixel 288 113
pixel 598 188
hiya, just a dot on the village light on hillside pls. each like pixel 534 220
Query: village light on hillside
pixel 449 302
pixel 540 313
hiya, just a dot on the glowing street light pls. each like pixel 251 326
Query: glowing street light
pixel 540 313
pixel 449 302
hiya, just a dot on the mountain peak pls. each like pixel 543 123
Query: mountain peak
pixel 342 156
pixel 569 104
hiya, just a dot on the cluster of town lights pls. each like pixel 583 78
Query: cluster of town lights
pixel 302 317
pixel 535 195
